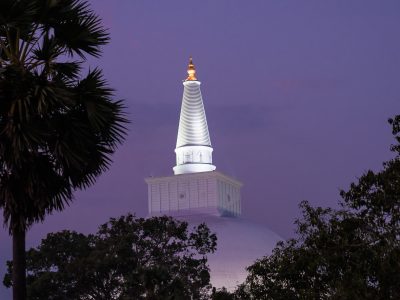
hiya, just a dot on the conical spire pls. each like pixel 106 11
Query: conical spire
pixel 193 145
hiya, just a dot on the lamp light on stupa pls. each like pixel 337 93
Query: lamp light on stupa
pixel 191 71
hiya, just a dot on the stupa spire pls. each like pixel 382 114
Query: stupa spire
pixel 191 70
pixel 193 146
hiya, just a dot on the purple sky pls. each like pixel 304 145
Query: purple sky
pixel 297 94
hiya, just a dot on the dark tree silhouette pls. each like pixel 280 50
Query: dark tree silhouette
pixel 349 253
pixel 58 128
pixel 128 258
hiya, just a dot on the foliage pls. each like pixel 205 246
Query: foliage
pixel 128 258
pixel 57 128
pixel 221 294
pixel 349 253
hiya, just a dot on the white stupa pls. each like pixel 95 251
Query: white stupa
pixel 198 193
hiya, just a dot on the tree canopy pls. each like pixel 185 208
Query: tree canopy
pixel 128 258
pixel 348 253
pixel 58 127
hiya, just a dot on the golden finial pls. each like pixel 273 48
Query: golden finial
pixel 191 70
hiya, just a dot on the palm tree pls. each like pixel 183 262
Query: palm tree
pixel 58 129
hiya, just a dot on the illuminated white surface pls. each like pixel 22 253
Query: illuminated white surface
pixel 193 145
pixel 199 194
pixel 193 128
pixel 240 242
pixel 194 193
pixel 193 159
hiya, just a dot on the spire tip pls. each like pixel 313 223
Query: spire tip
pixel 191 71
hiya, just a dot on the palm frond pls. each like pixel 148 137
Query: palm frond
pixel 66 71
pixel 57 132
pixel 80 30
pixel 105 115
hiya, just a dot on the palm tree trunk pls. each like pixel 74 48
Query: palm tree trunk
pixel 19 264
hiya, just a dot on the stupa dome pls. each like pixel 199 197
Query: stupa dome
pixel 197 193
pixel 239 243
